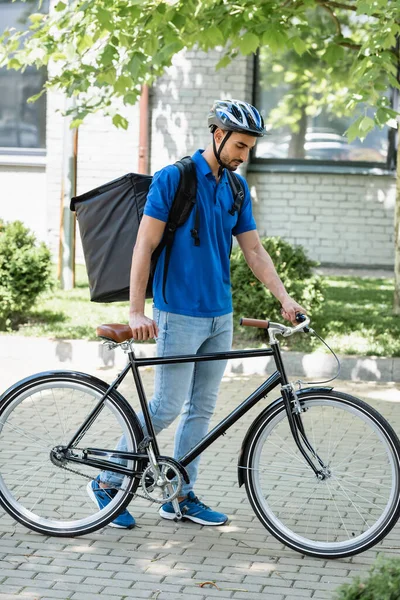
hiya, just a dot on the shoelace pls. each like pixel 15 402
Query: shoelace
pixel 201 504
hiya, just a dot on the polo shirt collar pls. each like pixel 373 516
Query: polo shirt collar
pixel 204 167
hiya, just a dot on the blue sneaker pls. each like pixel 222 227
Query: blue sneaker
pixel 102 497
pixel 196 511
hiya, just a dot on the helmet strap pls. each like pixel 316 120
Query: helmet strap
pixel 217 153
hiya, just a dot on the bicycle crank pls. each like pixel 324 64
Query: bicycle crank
pixel 164 485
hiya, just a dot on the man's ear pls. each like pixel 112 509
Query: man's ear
pixel 219 135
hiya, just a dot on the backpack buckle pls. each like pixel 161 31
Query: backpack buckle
pixel 195 235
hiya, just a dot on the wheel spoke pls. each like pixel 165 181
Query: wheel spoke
pixel 38 488
pixel 353 505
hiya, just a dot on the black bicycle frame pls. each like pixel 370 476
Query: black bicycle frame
pixel 278 377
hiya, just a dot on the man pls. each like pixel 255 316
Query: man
pixel 195 316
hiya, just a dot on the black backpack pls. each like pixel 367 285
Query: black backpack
pixel 109 217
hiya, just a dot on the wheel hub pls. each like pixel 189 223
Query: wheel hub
pixel 58 456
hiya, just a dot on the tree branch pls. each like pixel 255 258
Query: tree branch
pixel 348 7
pixel 341 5
pixel 350 45
pixel 333 16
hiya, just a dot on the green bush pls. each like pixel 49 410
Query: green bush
pixel 25 269
pixel 252 299
pixel 382 583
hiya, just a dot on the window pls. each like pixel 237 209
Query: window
pixel 318 138
pixel 22 125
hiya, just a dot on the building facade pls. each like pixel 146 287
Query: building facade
pixel 341 212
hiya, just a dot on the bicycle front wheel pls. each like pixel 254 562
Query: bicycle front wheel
pixel 350 510
pixel 41 413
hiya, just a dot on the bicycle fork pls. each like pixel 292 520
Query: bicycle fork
pixel 293 411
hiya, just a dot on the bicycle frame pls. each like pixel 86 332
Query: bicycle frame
pixel 278 377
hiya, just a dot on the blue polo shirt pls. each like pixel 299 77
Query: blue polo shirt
pixel 198 281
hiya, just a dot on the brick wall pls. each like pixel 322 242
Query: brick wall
pixel 339 219
pixel 182 98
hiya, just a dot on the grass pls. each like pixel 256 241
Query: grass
pixel 356 317
pixel 71 315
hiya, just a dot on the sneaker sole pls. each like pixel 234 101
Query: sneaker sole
pixel 92 496
pixel 171 517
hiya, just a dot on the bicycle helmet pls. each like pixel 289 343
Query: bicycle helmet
pixel 234 116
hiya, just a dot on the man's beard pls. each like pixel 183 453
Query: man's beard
pixel 230 164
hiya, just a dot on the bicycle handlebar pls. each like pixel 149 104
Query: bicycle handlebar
pixel 277 327
pixel 254 323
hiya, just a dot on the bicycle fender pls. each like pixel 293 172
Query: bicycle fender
pixel 271 407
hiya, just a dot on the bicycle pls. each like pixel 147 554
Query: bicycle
pixel 321 468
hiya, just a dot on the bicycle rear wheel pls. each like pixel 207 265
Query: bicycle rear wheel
pixel 45 411
pixel 358 502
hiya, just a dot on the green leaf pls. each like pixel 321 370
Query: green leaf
pixel 360 128
pixel 131 98
pixel 108 55
pixel 105 19
pixel 223 62
pixel 85 43
pixel 366 125
pixel 14 64
pixel 333 54
pixel 120 121
pixel 249 43
pixel 167 53
pixel 135 64
pixel 108 76
pixel 383 115
pixel 75 123
pixel 215 36
pixel 123 84
pixel 393 81
pixel 179 21
pixel 299 45
pixel 36 17
pixel 125 40
pixel 354 130
pixel 274 39
pixel 36 96
pixel 60 6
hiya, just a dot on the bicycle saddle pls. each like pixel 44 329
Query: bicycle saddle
pixel 115 332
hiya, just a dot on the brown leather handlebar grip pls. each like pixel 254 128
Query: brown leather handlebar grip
pixel 254 323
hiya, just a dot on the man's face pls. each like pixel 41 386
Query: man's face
pixel 236 150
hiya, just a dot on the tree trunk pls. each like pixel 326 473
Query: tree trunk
pixel 66 258
pixel 396 303
pixel 298 139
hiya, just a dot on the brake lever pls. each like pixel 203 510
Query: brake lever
pixel 303 326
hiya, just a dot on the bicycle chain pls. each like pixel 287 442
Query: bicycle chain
pixel 133 494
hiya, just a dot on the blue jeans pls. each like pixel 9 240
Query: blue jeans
pixel 190 389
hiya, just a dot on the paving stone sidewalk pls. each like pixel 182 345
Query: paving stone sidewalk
pixel 162 560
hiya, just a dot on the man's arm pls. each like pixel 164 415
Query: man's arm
pixel 263 268
pixel 149 236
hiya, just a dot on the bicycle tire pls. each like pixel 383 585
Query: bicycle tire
pixel 46 410
pixel 332 518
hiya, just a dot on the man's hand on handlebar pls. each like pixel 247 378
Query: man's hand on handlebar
pixel 142 327
pixel 289 310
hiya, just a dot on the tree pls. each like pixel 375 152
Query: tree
pixel 100 51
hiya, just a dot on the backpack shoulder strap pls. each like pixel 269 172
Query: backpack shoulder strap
pixel 185 196
pixel 182 206
pixel 238 192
